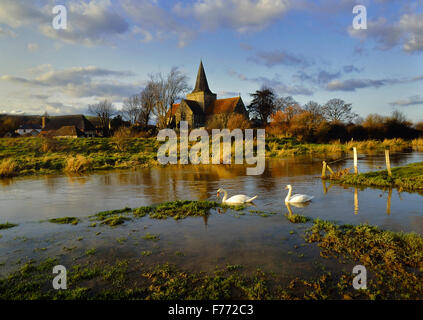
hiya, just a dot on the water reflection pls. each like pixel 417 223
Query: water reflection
pixel 34 199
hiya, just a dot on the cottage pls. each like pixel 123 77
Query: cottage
pixel 73 126
pixel 28 129
pixel 202 105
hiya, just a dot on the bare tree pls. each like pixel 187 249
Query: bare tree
pixel 313 108
pixel 131 109
pixel 337 110
pixel 147 104
pixel 104 110
pixel 166 91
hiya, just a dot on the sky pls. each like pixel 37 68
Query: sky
pixel 305 49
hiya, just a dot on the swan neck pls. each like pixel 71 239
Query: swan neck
pixel 288 195
pixel 225 195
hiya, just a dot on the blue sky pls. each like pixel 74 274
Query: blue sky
pixel 304 49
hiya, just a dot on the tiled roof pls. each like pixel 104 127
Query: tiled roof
pixel 223 106
pixel 30 127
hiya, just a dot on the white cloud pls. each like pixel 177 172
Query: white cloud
pixel 241 15
pixel 154 21
pixel 406 32
pixel 33 47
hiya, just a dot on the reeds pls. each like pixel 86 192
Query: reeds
pixel 77 164
pixel 8 168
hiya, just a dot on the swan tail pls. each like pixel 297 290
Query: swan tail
pixel 252 199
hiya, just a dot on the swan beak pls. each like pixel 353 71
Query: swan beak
pixel 218 194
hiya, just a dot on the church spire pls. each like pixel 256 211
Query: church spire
pixel 201 85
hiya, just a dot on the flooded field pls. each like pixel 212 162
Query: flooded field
pixel 259 236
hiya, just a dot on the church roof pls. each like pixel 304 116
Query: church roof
pixel 223 106
pixel 201 85
pixel 218 106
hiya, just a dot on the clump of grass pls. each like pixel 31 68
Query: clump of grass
pixel 177 209
pixel 104 214
pixel 90 252
pixel 233 267
pixel 7 225
pixel 146 253
pixel 297 218
pixel 152 237
pixel 8 168
pixel 114 221
pixel 78 164
pixel 65 220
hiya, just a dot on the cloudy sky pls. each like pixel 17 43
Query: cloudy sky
pixel 306 49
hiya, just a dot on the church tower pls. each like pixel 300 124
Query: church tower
pixel 201 93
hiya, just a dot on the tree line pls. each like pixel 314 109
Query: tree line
pixel 312 122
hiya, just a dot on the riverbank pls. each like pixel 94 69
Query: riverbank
pixel 40 156
pixel 408 177
pixel 394 261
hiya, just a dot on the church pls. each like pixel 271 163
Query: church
pixel 202 105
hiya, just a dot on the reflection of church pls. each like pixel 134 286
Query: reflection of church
pixel 201 104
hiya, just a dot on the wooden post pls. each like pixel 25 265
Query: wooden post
pixel 330 169
pixel 388 162
pixel 324 170
pixel 355 161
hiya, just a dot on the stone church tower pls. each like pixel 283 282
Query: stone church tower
pixel 201 93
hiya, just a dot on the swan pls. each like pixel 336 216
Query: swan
pixel 240 198
pixel 296 198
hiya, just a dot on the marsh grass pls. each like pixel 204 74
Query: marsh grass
pixel 8 168
pixel 395 258
pixel 7 225
pixel 408 177
pixel 65 220
pixel 297 218
pixel 78 164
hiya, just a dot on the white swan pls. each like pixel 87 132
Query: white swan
pixel 296 198
pixel 240 198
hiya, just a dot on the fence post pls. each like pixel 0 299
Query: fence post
pixel 388 162
pixel 355 161
pixel 324 170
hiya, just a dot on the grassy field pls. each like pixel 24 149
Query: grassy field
pixel 30 156
pixel 409 177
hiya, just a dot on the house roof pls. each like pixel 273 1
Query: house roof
pixel 201 84
pixel 79 121
pixel 223 106
pixel 68 131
